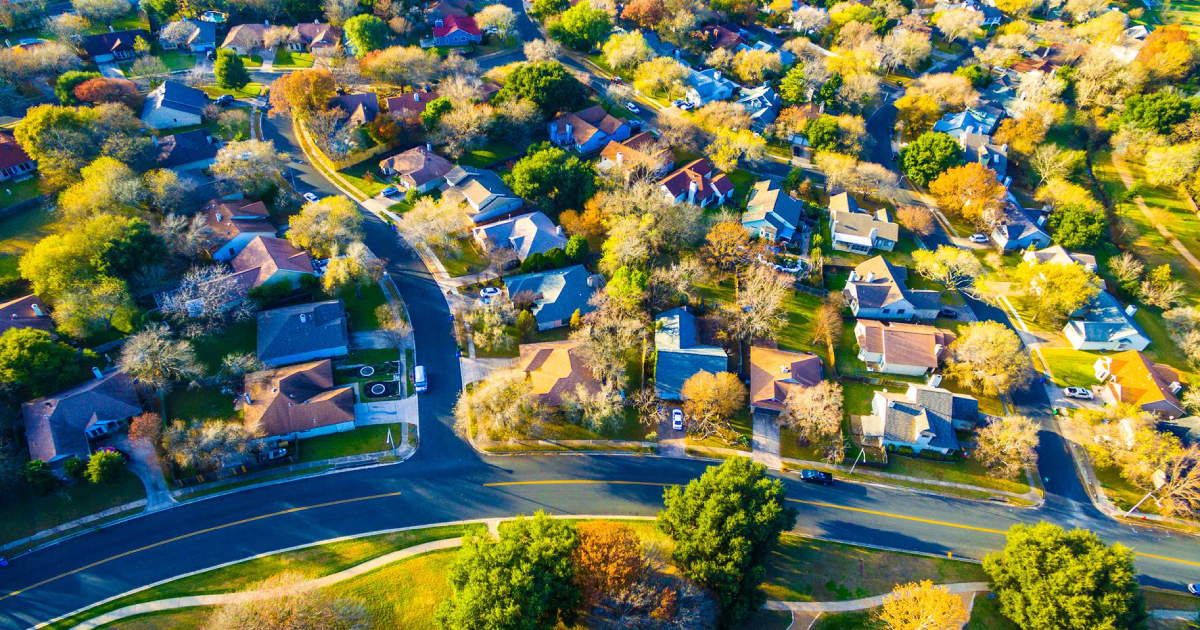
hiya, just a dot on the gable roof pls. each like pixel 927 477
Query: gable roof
pixel 417 166
pixel 185 148
pixel 1058 255
pixel 555 368
pixel 223 218
pixel 1016 225
pixel 857 226
pixel 558 293
pixel 109 43
pixel 176 96
pixel 703 174
pixel 245 35
pixel 902 343
pixel 720 37
pixel 525 234
pixel 1139 381
pixel 1104 320
pixel 921 409
pixel 11 153
pixel 202 33
pixel 980 120
pixel 315 34
pixel 295 398
pixel 283 332
pixel 887 286
pixel 410 105
pixel 359 109
pixel 483 191
pixel 25 312
pixel 263 257
pixel 452 23
pixel 769 203
pixel 775 373
pixel 55 425
pixel 759 101
pixel 587 124
pixel 637 148
pixel 680 354
pixel 980 148
pixel 708 82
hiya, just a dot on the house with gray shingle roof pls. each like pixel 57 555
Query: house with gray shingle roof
pixel 876 289
pixel 557 294
pixel 174 104
pixel 680 355
pixel 305 332
pixel 483 191
pixel 202 36
pixel 772 214
pixel 706 86
pixel 1017 229
pixel 59 427
pixel 981 119
pixel 418 167
pixel 1104 325
pixel 524 234
pixel 978 147
pixel 762 104
pixel 922 418
pixel 860 232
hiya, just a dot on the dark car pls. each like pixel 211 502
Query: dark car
pixel 948 314
pixel 225 99
pixel 808 475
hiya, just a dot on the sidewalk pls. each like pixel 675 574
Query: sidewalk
pixel 961 588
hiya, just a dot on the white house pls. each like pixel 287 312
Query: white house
pixel 706 86
pixel 1105 325
pixel 860 232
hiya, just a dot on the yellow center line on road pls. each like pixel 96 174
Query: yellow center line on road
pixel 804 502
pixel 197 533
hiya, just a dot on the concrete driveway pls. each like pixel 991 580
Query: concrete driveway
pixel 671 442
pixel 111 70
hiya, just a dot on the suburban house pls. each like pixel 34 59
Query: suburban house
pixel 719 36
pixel 356 109
pixel 860 232
pixel 922 418
pixel 697 182
pixel 978 147
pixel 554 369
pixel 1132 40
pixel 706 86
pixel 762 104
pixel 298 401
pixel 453 30
pixel 680 355
pixel 174 104
pixel 309 36
pixel 640 154
pixel 876 289
pixel 1002 93
pixel 659 46
pixel 25 312
pixel 305 332
pixel 524 234
pixel 244 38
pixel 1018 230
pixel 407 108
pixel 1058 255
pixel 785 57
pixel 60 427
pixel 234 224
pixel 441 9
pixel 981 119
pixel 772 214
pixel 587 130
pixel 776 373
pixel 1130 377
pixel 901 348
pixel 1187 429
pixel 188 151
pixel 557 294
pixel 1104 325
pixel 483 191
pixel 114 46
pixel 418 168
pixel 266 260
pixel 15 163
pixel 202 37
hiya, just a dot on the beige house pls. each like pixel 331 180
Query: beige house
pixel 901 348
pixel 776 373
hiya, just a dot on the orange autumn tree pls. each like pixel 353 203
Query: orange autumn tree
pixel 1169 53
pixel 608 560
pixel 301 93
pixel 972 192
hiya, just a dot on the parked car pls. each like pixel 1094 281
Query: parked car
pixel 687 106
pixel 1079 392
pixel 677 419
pixel 489 292
pixel 948 314
pixel 631 106
pixel 420 381
pixel 1194 589
pixel 389 191
pixel 110 449
pixel 273 454
pixel 616 80
pixel 225 99
pixel 311 197
pixel 810 475
pixel 212 55
pixel 978 238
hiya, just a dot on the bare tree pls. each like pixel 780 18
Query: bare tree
pixel 291 604
pixel 953 268
pixel 207 445
pixel 338 11
pixel 827 325
pixel 538 50
pixel 916 219
pixel 816 414
pixel 183 236
pixel 597 409
pixel 392 324
pixel 1006 446
pixel 203 302
pixel 157 360
pixel 758 311
pixel 710 402
pixel 500 406
pixel 608 335
pixel 1051 160
pixel 1179 493
pixel 960 23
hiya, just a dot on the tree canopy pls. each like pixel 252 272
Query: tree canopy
pixel 1078 226
pixel 547 84
pixel 553 179
pixel 582 26
pixel 34 360
pixel 1157 112
pixel 230 70
pixel 366 33
pixel 930 155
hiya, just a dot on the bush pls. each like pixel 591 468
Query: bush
pixel 577 249
pixel 556 258
pixel 533 263
pixel 267 294
pixel 526 326
pixel 310 283
pixel 905 450
pixel 934 455
pixel 105 466
pixel 75 468
pixel 37 474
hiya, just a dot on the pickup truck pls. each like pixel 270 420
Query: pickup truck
pixel 808 475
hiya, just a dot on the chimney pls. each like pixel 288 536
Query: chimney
pixel 428 147
pixel 870 276
pixel 853 275
pixel 1131 309
pixel 568 130
pixel 692 192
pixel 786 369
pixel 96 373
pixel 1175 387
pixel 620 158
pixel 416 97
pixel 37 310
pixel 111 29
pixel 591 281
pixel 558 230
pixel 874 235
pixel 937 349
pixel 303 317
pixel 218 217
pixel 246 396
pixel 717 75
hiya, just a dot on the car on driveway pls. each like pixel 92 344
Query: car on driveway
pixel 211 55
pixel 810 475
pixel 225 99
pixel 311 197
pixel 389 191
pixel 1194 589
pixel 677 419
pixel 272 454
pixel 631 106
pixel 488 292
pixel 1078 392
pixel 948 314
pixel 978 238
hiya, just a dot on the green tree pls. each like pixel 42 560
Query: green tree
pixel 930 155
pixel 104 466
pixel 303 10
pixel 131 249
pixel 366 33
pixel 230 71
pixel 725 525
pixel 582 27
pixel 522 581
pixel 32 359
pixel 1048 578
pixel 37 474
pixel 556 258
pixel 827 95
pixel 526 326
pixel 546 84
pixel 794 87
pixel 1078 226
pixel 162 9
pixel 1157 112
pixel 553 179
pixel 434 110
pixel 975 73
pixel 543 9
pixel 75 468
pixel 628 287
pixel 534 263
pixel 577 249
pixel 823 133
pixel 64 89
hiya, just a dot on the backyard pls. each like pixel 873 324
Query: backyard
pixel 18 233
pixel 15 192
pixel 488 154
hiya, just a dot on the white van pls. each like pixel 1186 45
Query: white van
pixel 419 380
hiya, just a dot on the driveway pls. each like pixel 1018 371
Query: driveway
pixel 671 442
pixel 143 462
pixel 111 70
pixel 386 412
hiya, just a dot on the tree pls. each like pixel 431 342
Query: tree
pixel 105 466
pixel 1050 579
pixel 929 156
pixel 960 23
pixel 794 86
pixel 1158 289
pixel 166 192
pixel 146 427
pixel 647 14
pixel 727 246
pixel 975 73
pixel 64 88
pixel 301 93
pixel 755 66
pixel 923 606
pixel 725 525
pixel 32 359
pixel 105 90
pixel 291 606
pixel 954 268
pixel 338 11
pixel 253 165
pixel 988 357
pixel 827 325
pixel 201 303
pixel 543 9
pixel 661 75
pixel 608 559
pixel 1126 268
pixel 230 71
pixel 809 19
pixel 577 249
pixel 357 265
pixel 1053 292
pixel 393 325
pixel 822 133
pixel 608 335
pixel 326 226
pixel 1157 112
pixel 207 445
pixel 1180 493
pixel 626 51
pixel 1007 445
pixel 65 139
pixel 177 32
pixel 1168 53
pixel 916 219
pixel 546 84
pixel 539 50
pixel 37 474
pixel 365 33
pixel 157 360
pixel 464 128
pixel 93 306
pixel 499 17
pixel 582 26
pixel 972 192
pixel 436 224
pixel 101 11
pixel 100 247
pixel 1078 226
pixel 918 113
pixel 758 312
pixel 711 401
pixel 864 178
pixel 1170 166
pixel 815 413
pixel 66 26
pixel 499 407
pixel 552 179
pixel 1051 161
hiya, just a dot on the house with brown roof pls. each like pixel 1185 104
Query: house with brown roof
pixel 418 167
pixel 356 109
pixel 61 426
pixel 14 161
pixel 298 401
pixel 555 368
pixel 407 108
pixel 442 9
pixel 860 232
pixel 483 191
pixel 313 36
pixel 876 289
pixel 233 223
pixel 266 260
pixel 244 38
pixel 901 348
pixel 587 130
pixel 776 373
pixel 1131 378
pixel 719 36
pixel 25 312
pixel 639 155
pixel 697 182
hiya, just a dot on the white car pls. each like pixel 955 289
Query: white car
pixel 1079 392
pixel 1194 589
pixel 978 238
pixel 311 197
pixel 631 106
pixel 489 292
pixel 677 419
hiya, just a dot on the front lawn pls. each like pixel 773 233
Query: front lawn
pixel 742 425
pixel 488 154
pixel 184 403
pixel 965 470
pixel 285 58
pixel 178 60
pixel 251 90
pixel 18 233
pixel 1071 368
pixel 128 22
pixel 469 261
pixel 361 310
pixel 252 62
pixel 26 512
pixel 628 429
pixel 365 177
pixel 368 439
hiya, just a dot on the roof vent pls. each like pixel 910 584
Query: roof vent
pixel 1176 387
pixel 303 317
pixel 1131 309
pixel 786 369
pixel 870 276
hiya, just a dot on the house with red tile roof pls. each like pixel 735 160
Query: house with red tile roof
pixel 234 223
pixel 14 161
pixel 297 401
pixel 1131 378
pixel 718 36
pixel 453 30
pixel 697 182
pixel 587 130
pixel 776 373
pixel 418 167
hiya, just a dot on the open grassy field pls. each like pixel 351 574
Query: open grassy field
pixel 368 439
pixel 14 192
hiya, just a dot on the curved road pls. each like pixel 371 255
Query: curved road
pixel 446 480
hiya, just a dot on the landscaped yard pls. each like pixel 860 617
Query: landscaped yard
pixel 178 60
pixel 368 439
pixel 361 310
pixel 18 233
pixel 26 512
pixel 237 337
pixel 1071 368
pixel 130 21
pixel 357 176
pixel 488 154
pixel 470 261
pixel 202 403
pixel 251 90
pixel 15 192
pixel 285 58
pixel 252 62
pixel 742 424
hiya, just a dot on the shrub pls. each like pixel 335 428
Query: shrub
pixel 556 258
pixel 905 450
pixel 75 468
pixel 533 263
pixel 37 474
pixel 267 294
pixel 105 466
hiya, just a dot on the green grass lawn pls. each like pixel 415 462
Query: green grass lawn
pixel 250 90
pixel 361 310
pixel 368 439
pixel 178 60
pixel 199 404
pixel 742 181
pixel 285 58
pixel 968 471
pixel 1071 367
pixel 18 233
pixel 629 429
pixel 252 62
pixel 1121 492
pixel 488 154
pixel 130 21
pixel 26 512
pixel 470 261
pixel 985 615
pixel 15 192
pixel 237 337
pixel 742 425
pixel 356 175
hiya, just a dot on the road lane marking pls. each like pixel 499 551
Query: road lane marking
pixel 197 533
pixel 578 481
pixel 1150 555
pixel 898 516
